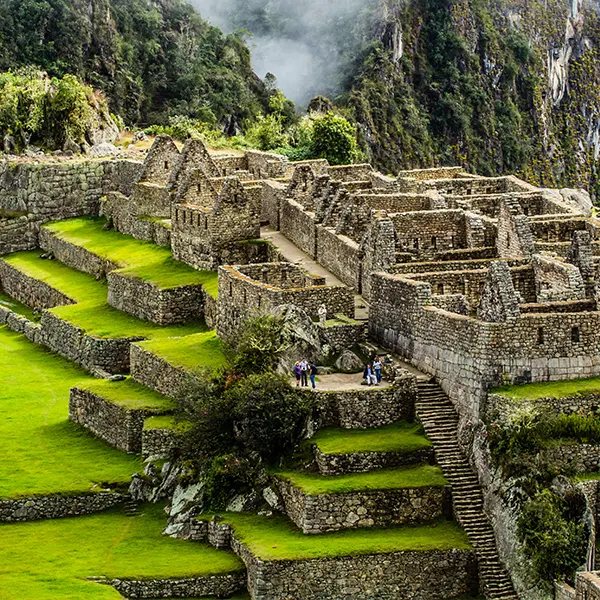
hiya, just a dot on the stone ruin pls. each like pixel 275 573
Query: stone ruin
pixel 475 281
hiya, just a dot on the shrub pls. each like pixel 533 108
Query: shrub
pixel 258 346
pixel 553 534
pixel 334 138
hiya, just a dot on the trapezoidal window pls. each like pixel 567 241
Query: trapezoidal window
pixel 230 288
pixel 416 243
pixel 540 336
pixel 166 165
pixel 575 335
pixel 434 242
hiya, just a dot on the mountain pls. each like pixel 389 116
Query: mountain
pixel 500 86
pixel 153 58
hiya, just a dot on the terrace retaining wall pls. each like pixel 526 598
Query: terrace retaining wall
pixel 219 586
pixel 362 462
pixel 117 425
pixel 57 507
pixel 373 508
pixel 147 301
pixel 159 443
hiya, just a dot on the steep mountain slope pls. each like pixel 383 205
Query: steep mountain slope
pixel 152 57
pixel 501 86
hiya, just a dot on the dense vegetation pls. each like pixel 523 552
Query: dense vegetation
pixel 551 523
pixel 242 419
pixel 152 59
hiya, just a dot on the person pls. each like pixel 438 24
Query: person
pixel 369 375
pixel 377 369
pixel 323 315
pixel 297 372
pixel 304 372
pixel 312 374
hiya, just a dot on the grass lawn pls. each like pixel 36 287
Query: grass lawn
pixel 92 313
pixel 156 263
pixel 129 394
pixel 50 560
pixel 202 350
pixel 313 484
pixel 17 307
pixel 551 389
pixel 277 538
pixel 397 437
pixel 42 451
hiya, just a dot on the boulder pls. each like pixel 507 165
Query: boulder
pixel 243 503
pixel 103 149
pixel 70 146
pixel 300 336
pixel 139 136
pixel 349 362
pixel 9 144
pixel 578 199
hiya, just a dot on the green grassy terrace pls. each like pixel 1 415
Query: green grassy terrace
pixel 276 538
pixel 165 422
pixel 17 307
pixel 92 313
pixel 314 484
pixel 140 259
pixel 129 394
pixel 50 560
pixel 42 451
pixel 551 389
pixel 401 437
pixel 198 351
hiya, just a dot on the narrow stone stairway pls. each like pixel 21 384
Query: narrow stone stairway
pixel 440 420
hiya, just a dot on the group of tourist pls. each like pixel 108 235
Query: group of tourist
pixel 305 370
pixel 372 372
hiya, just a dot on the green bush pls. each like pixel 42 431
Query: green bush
pixel 258 345
pixel 553 534
pixel 334 138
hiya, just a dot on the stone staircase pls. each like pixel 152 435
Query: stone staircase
pixel 440 420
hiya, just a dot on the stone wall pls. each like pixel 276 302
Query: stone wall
pixel 241 295
pixel 298 226
pixel 368 407
pixel 272 198
pixel 469 356
pixel 157 374
pixel 117 425
pixel 341 336
pixel 218 586
pixel 146 301
pixel 585 458
pixel 159 443
pixel 341 255
pixel 57 507
pixel 351 510
pixel 29 291
pixel 74 256
pixel 362 462
pixel 64 338
pixel 38 192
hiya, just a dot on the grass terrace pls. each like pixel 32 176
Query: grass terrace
pixel 277 538
pixel 92 313
pixel 313 484
pixel 129 395
pixel 10 304
pixel 202 350
pixel 43 452
pixel 50 560
pixel 153 263
pixel 551 389
pixel 165 422
pixel 401 437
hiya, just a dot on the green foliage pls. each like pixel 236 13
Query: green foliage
pixel 152 59
pixel 553 534
pixel 334 138
pixel 258 345
pixel 36 109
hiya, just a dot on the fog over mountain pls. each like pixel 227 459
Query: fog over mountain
pixel 309 45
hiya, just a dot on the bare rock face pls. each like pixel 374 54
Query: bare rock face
pixel 300 335
pixel 101 128
pixel 578 199
pixel 103 149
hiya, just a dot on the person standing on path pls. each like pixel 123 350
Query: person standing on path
pixel 312 374
pixel 304 372
pixel 377 369
pixel 297 373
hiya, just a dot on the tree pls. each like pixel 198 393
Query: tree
pixel 334 138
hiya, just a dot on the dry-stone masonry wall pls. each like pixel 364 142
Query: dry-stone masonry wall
pixel 56 507
pixel 320 513
pixel 116 424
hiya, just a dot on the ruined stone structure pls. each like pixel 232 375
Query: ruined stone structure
pixel 475 281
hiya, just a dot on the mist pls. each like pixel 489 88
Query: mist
pixel 309 45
